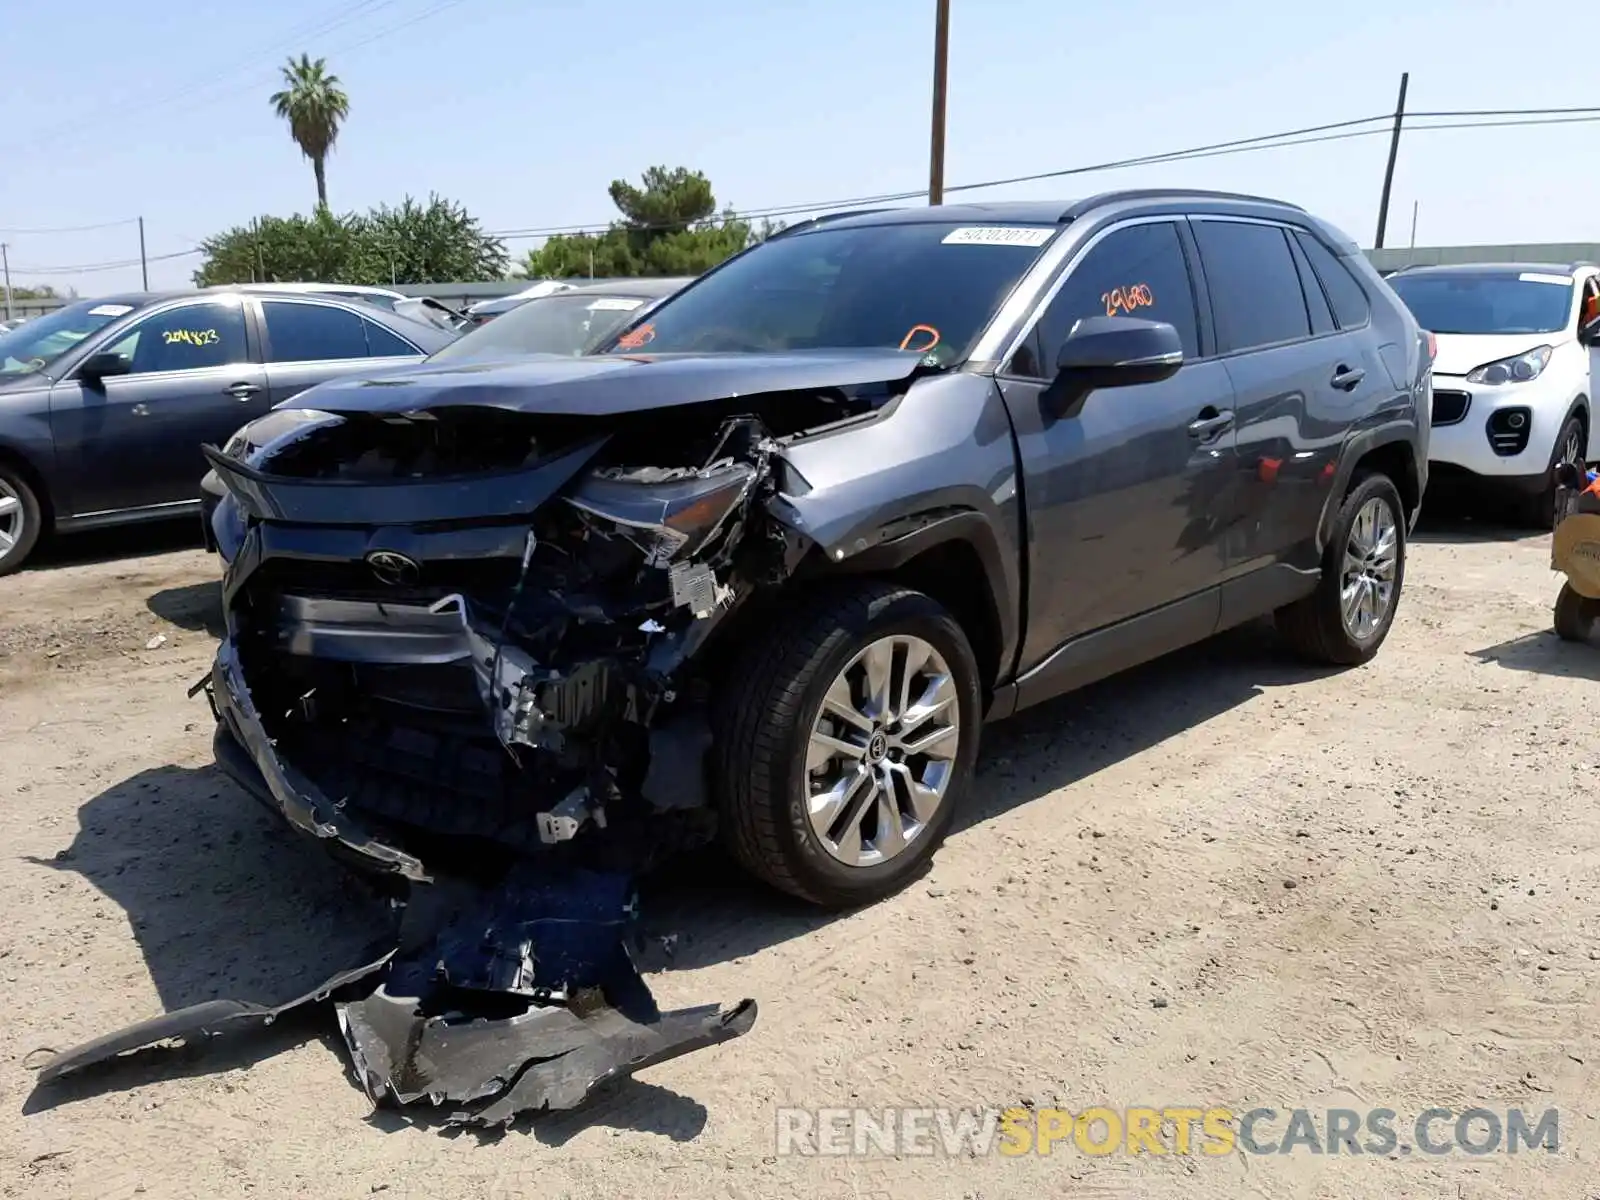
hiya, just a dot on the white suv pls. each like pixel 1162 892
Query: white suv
pixel 1514 381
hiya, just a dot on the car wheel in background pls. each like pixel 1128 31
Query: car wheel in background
pixel 1538 511
pixel 20 519
pixel 1348 617
pixel 844 742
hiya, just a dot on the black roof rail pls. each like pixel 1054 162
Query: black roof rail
pixel 1078 207
pixel 813 222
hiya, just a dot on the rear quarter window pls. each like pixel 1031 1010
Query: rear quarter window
pixel 1346 296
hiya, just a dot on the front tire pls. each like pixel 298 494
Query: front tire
pixel 1575 615
pixel 845 741
pixel 21 519
pixel 1538 511
pixel 1345 621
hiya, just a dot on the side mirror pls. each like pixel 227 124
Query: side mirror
pixel 103 366
pixel 1118 352
pixel 1589 332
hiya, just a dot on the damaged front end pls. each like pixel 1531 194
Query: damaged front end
pixel 501 666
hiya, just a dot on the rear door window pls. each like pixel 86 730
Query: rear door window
pixel 299 332
pixel 1255 289
pixel 1346 296
pixel 383 344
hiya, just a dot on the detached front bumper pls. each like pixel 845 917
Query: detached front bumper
pixel 247 754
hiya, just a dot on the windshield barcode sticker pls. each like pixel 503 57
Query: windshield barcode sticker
pixel 1537 277
pixel 615 304
pixel 998 235
pixel 110 310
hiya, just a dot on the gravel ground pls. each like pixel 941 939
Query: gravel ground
pixel 1220 881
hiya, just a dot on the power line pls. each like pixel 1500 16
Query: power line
pixel 1309 135
pixel 71 228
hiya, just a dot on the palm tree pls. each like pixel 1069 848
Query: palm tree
pixel 315 106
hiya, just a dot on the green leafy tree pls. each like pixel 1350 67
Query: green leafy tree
pixel 670 226
pixel 315 106
pixel 436 242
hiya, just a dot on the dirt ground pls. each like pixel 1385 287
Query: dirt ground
pixel 1223 880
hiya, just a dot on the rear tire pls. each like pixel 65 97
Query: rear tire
pixel 823 793
pixel 1575 615
pixel 1319 627
pixel 21 519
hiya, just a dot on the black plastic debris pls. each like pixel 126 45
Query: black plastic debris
pixel 497 1001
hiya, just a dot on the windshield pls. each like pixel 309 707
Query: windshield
pixel 927 287
pixel 1487 302
pixel 566 323
pixel 34 345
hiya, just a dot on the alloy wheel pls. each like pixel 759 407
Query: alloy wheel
pixel 12 519
pixel 1371 557
pixel 882 751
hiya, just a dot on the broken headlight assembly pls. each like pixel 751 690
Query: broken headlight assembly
pixel 275 429
pixel 669 515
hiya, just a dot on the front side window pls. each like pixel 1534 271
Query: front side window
pixel 34 345
pixel 1139 271
pixel 1487 302
pixel 186 338
pixel 1255 289
pixel 923 287
pixel 312 332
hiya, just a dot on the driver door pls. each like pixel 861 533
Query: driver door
pixel 133 441
pixel 1128 499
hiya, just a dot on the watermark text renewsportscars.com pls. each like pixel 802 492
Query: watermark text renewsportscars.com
pixel 1180 1130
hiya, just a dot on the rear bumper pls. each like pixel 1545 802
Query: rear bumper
pixel 246 753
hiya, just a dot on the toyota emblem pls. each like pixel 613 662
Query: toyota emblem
pixel 393 568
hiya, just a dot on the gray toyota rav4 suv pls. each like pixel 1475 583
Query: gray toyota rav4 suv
pixel 762 565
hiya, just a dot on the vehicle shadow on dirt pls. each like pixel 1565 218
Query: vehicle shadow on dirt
pixel 226 902
pixel 1545 654
pixel 197 607
pixel 706 912
pixel 106 545
pixel 1453 528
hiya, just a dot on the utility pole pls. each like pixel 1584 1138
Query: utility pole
pixel 1413 224
pixel 1394 152
pixel 144 264
pixel 941 63
pixel 5 261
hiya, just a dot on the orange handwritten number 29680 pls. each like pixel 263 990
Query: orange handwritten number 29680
pixel 1126 299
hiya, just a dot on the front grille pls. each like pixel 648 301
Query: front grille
pixel 1508 430
pixel 1450 408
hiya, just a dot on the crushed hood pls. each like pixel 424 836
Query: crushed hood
pixel 600 385
pixel 1463 352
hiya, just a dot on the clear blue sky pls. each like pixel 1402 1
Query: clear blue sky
pixel 524 111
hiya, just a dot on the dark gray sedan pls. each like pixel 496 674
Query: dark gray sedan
pixel 104 404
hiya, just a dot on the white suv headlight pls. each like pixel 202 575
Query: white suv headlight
pixel 1520 369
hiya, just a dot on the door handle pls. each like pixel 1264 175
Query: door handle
pixel 1209 423
pixel 243 391
pixel 1346 378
